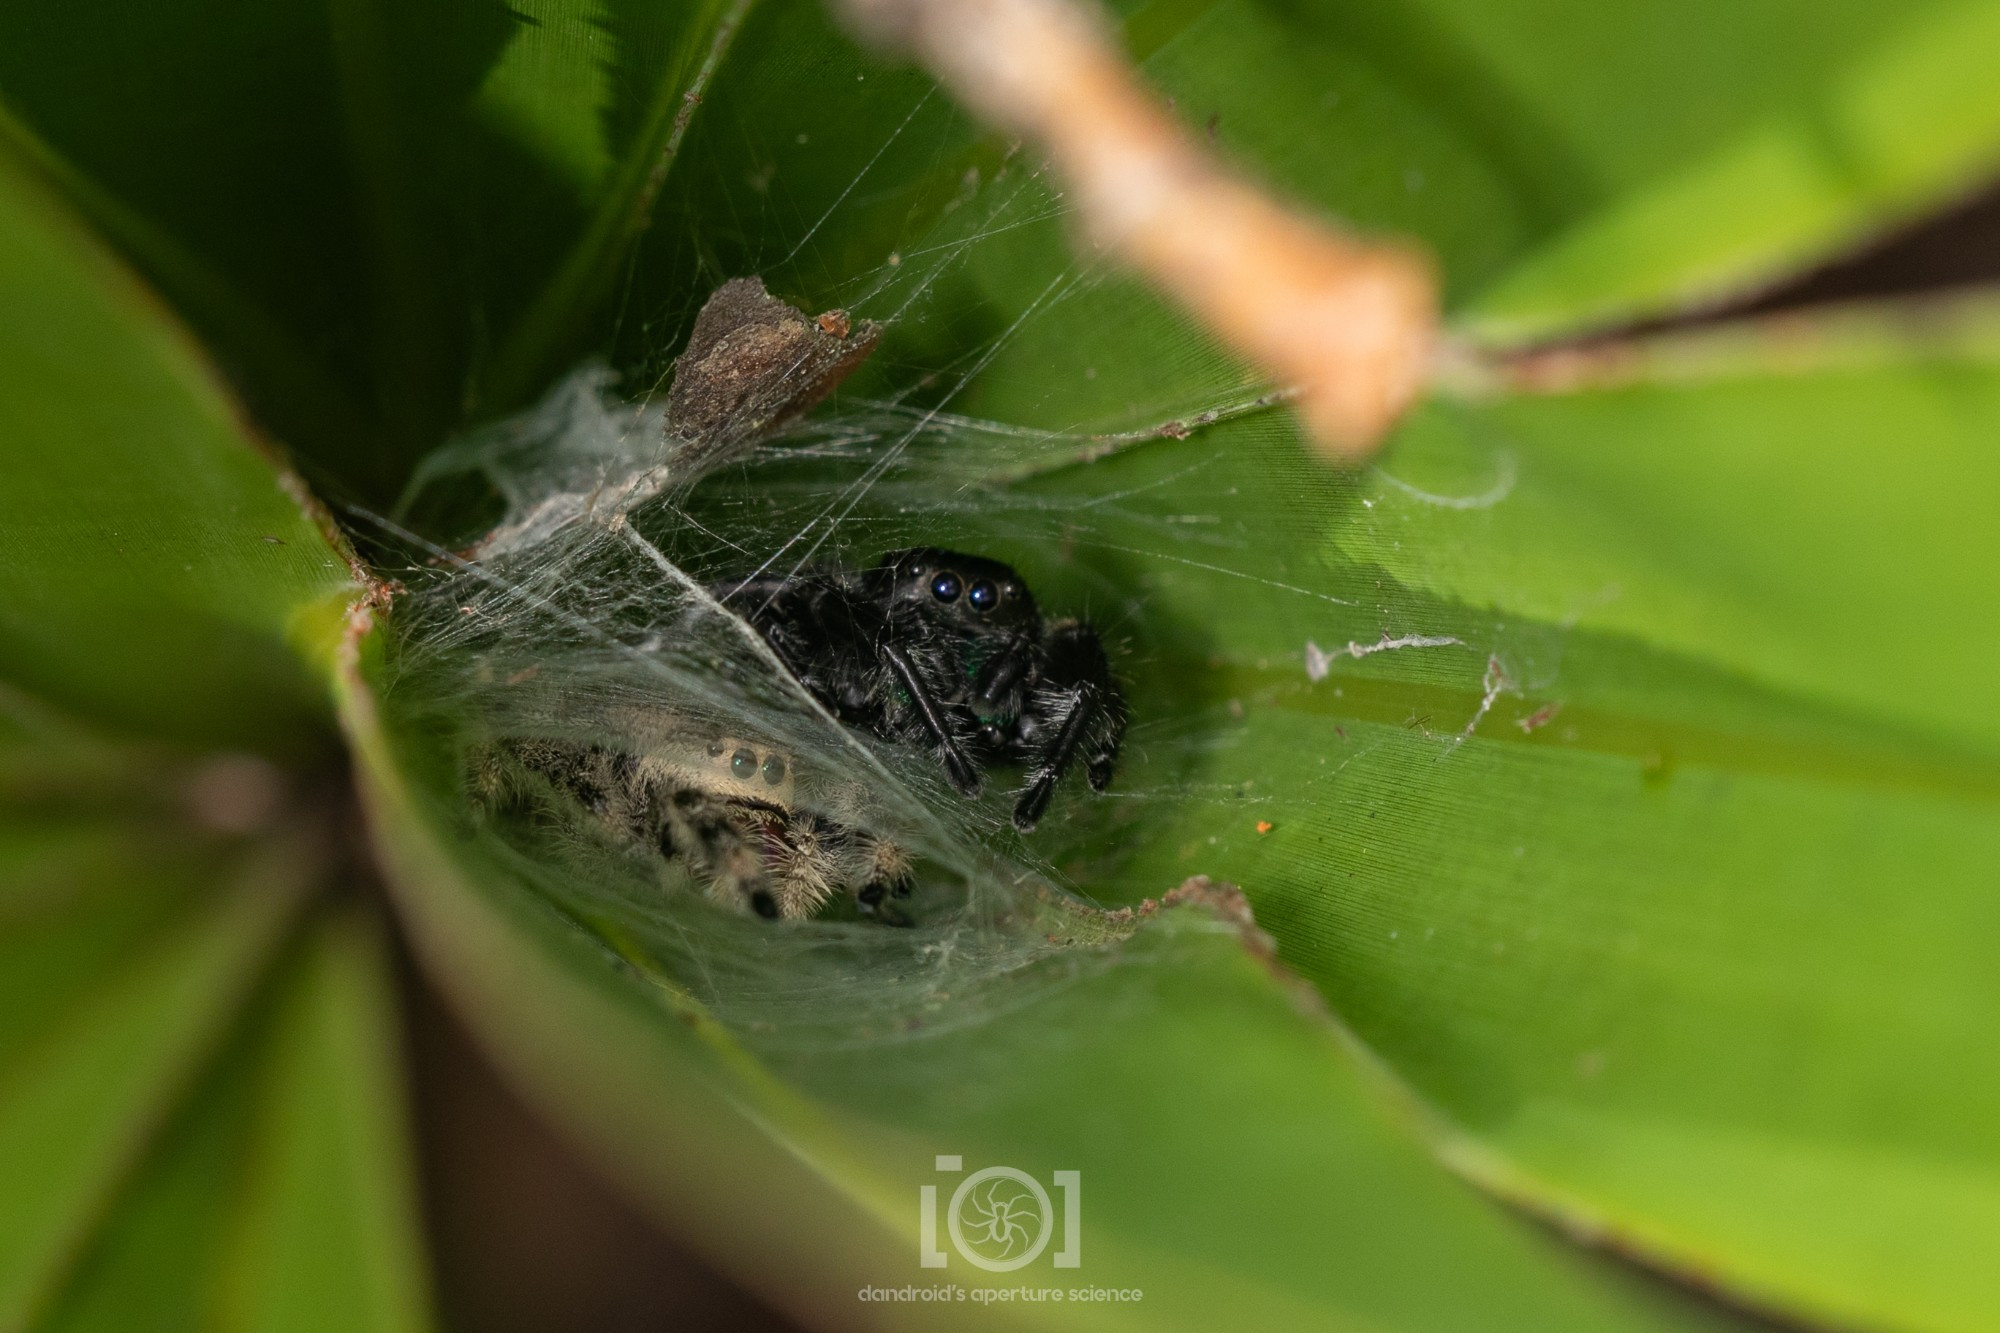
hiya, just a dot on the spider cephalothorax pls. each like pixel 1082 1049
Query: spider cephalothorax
pixel 948 651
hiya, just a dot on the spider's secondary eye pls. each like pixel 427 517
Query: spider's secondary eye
pixel 743 764
pixel 983 596
pixel 774 770
pixel 945 587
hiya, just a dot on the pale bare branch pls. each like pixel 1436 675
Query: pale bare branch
pixel 1348 324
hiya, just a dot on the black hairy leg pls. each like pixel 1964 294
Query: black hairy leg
pixel 1078 713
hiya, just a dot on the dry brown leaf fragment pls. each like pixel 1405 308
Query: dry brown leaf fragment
pixel 753 363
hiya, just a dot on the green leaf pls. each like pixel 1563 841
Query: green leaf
pixel 1677 933
pixel 1237 1163
pixel 210 145
pixel 1690 963
pixel 327 1236
pixel 1558 931
pixel 1579 165
pixel 279 1197
pixel 1825 123
pixel 160 573
pixel 118 999
pixel 152 567
pixel 189 1143
pixel 622 190
pixel 1762 635
pixel 1760 512
pixel 384 216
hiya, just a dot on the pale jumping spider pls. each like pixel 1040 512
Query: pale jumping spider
pixel 948 651
pixel 725 807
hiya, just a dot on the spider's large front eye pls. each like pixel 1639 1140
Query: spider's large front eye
pixel 743 763
pixel 983 596
pixel 945 586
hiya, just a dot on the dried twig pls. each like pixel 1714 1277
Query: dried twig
pixel 1349 324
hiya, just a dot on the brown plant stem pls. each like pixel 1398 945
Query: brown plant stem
pixel 1348 324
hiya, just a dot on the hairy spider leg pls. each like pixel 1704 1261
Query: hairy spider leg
pixel 1055 760
pixel 701 828
pixel 814 856
pixel 891 880
pixel 958 766
pixel 1093 723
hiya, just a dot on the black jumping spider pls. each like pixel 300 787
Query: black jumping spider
pixel 948 651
